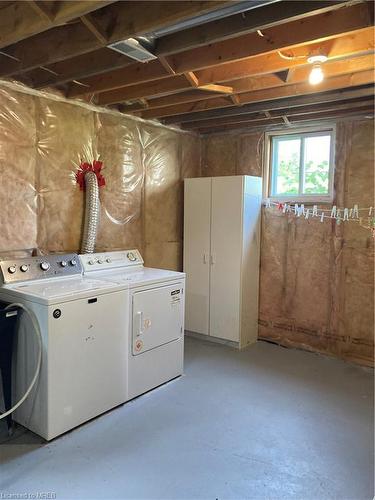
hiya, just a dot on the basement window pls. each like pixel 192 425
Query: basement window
pixel 301 165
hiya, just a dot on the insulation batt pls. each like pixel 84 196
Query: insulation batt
pixel 316 279
pixel 43 141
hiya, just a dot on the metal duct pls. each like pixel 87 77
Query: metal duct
pixel 92 209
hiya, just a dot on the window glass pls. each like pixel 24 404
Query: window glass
pixel 316 164
pixel 301 164
pixel 286 166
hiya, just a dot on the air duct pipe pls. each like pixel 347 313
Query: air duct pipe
pixel 92 208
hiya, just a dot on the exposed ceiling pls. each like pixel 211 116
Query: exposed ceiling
pixel 220 65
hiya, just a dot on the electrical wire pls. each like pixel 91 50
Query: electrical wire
pixel 38 334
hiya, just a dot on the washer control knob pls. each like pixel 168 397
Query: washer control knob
pixel 24 268
pixel 73 262
pixel 131 256
pixel 44 266
pixel 108 260
pixel 12 269
pixel 91 262
pixel 100 261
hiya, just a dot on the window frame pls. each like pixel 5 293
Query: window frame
pixel 269 163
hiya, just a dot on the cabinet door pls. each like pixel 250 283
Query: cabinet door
pixel 197 217
pixel 226 250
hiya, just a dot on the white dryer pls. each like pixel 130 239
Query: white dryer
pixel 156 316
pixel 84 348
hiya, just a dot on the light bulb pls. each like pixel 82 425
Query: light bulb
pixel 316 75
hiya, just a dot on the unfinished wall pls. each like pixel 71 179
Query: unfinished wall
pixel 316 280
pixel 42 141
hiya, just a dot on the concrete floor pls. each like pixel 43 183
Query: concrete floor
pixel 265 423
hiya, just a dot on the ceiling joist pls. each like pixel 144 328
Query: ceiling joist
pixel 120 20
pixel 314 28
pixel 241 24
pixel 21 20
pixel 339 46
pixel 338 82
pixel 179 84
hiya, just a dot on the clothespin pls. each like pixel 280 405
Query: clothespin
pixel 315 211
pixel 338 214
pixel 268 203
pixel 307 213
pixel 370 212
pixel 322 217
pixel 346 214
pixel 296 208
pixel 302 209
pixel 285 208
pixel 351 212
pixel 355 211
pixel 333 212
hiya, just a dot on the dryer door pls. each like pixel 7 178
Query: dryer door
pixel 157 317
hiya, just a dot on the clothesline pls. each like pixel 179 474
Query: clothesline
pixel 339 214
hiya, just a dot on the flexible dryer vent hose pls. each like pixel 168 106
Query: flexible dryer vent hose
pixel 92 209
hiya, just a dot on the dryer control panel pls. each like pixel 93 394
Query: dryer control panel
pixel 110 260
pixel 40 267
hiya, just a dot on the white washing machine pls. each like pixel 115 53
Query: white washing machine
pixel 156 316
pixel 84 347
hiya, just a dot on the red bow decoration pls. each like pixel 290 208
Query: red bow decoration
pixel 85 167
pixel 280 206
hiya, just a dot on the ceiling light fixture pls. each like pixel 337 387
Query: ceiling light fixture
pixel 316 75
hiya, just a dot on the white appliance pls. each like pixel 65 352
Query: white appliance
pixel 221 256
pixel 84 349
pixel 155 326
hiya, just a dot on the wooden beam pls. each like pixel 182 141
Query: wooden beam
pixel 130 75
pixel 343 46
pixel 192 95
pixel 275 104
pixel 239 24
pixel 301 74
pixel 164 62
pixel 304 119
pixel 94 27
pixel 235 99
pixel 20 20
pixel 222 89
pixel 168 85
pixel 122 20
pixel 317 28
pixel 298 111
pixel 340 47
pixel 191 78
pixel 41 10
pixel 100 65
pixel 334 68
pixel 339 82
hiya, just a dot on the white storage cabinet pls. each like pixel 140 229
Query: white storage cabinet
pixel 221 256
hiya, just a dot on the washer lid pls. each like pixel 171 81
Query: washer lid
pixel 49 292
